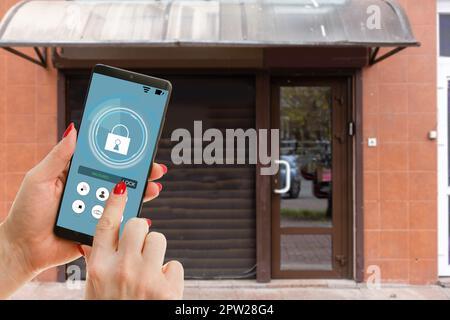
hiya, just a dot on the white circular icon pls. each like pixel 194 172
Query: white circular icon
pixel 78 206
pixel 114 148
pixel 102 194
pixel 97 211
pixel 83 188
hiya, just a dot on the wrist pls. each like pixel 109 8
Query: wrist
pixel 15 270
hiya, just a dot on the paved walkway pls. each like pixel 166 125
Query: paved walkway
pixel 246 289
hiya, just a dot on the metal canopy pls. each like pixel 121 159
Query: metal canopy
pixel 243 23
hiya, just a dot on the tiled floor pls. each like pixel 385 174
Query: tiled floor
pixel 224 290
pixel 306 252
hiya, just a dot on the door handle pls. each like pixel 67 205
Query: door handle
pixel 287 187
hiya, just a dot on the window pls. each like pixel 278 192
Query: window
pixel 444 35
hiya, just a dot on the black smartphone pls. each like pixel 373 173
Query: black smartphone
pixel 117 140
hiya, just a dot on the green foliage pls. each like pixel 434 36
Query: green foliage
pixel 304 214
pixel 306 113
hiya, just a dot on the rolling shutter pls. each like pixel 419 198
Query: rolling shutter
pixel 206 212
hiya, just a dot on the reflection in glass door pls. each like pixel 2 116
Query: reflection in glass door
pixel 310 220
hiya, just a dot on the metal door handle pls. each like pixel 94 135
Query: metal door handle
pixel 288 177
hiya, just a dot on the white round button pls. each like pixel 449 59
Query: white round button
pixel 102 194
pixel 83 188
pixel 97 211
pixel 78 206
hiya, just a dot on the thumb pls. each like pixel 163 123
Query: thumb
pixel 58 158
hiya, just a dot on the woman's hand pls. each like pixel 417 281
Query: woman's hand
pixel 130 267
pixel 27 242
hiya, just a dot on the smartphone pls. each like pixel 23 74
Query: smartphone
pixel 117 140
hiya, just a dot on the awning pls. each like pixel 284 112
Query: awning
pixel 251 23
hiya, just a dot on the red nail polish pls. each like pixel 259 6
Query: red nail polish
pixel 164 167
pixel 80 249
pixel 149 222
pixel 159 186
pixel 120 188
pixel 69 128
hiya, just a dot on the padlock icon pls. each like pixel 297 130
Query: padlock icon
pixel 117 143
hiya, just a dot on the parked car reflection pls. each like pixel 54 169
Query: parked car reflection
pixel 309 200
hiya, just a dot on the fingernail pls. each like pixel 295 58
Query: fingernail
pixel 69 128
pixel 149 222
pixel 164 167
pixel 80 249
pixel 159 186
pixel 120 188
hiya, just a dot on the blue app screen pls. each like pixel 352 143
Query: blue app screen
pixel 116 141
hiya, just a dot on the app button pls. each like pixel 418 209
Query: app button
pixel 78 206
pixel 83 188
pixel 102 194
pixel 97 211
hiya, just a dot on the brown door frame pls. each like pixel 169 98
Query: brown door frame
pixel 342 230
pixel 263 184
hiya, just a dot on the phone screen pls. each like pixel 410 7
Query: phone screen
pixel 116 141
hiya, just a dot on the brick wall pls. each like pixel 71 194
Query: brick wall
pixel 28 126
pixel 400 175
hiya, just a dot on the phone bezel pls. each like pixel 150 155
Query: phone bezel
pixel 114 72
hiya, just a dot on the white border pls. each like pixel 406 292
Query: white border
pixel 443 73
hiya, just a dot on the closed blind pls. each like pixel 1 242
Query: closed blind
pixel 206 212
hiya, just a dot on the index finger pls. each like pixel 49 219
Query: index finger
pixel 107 231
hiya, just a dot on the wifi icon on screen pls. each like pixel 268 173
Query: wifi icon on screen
pixel 146 89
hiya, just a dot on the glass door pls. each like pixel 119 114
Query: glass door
pixel 312 199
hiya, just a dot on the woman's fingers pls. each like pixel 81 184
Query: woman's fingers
pixel 85 250
pixel 174 273
pixel 58 158
pixel 107 230
pixel 133 237
pixel 158 170
pixel 153 190
pixel 154 250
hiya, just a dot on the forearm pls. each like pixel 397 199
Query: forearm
pixel 14 271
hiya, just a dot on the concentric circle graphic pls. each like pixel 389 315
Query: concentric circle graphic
pixel 116 117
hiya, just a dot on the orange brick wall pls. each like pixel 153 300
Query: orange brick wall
pixel 400 175
pixel 28 126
